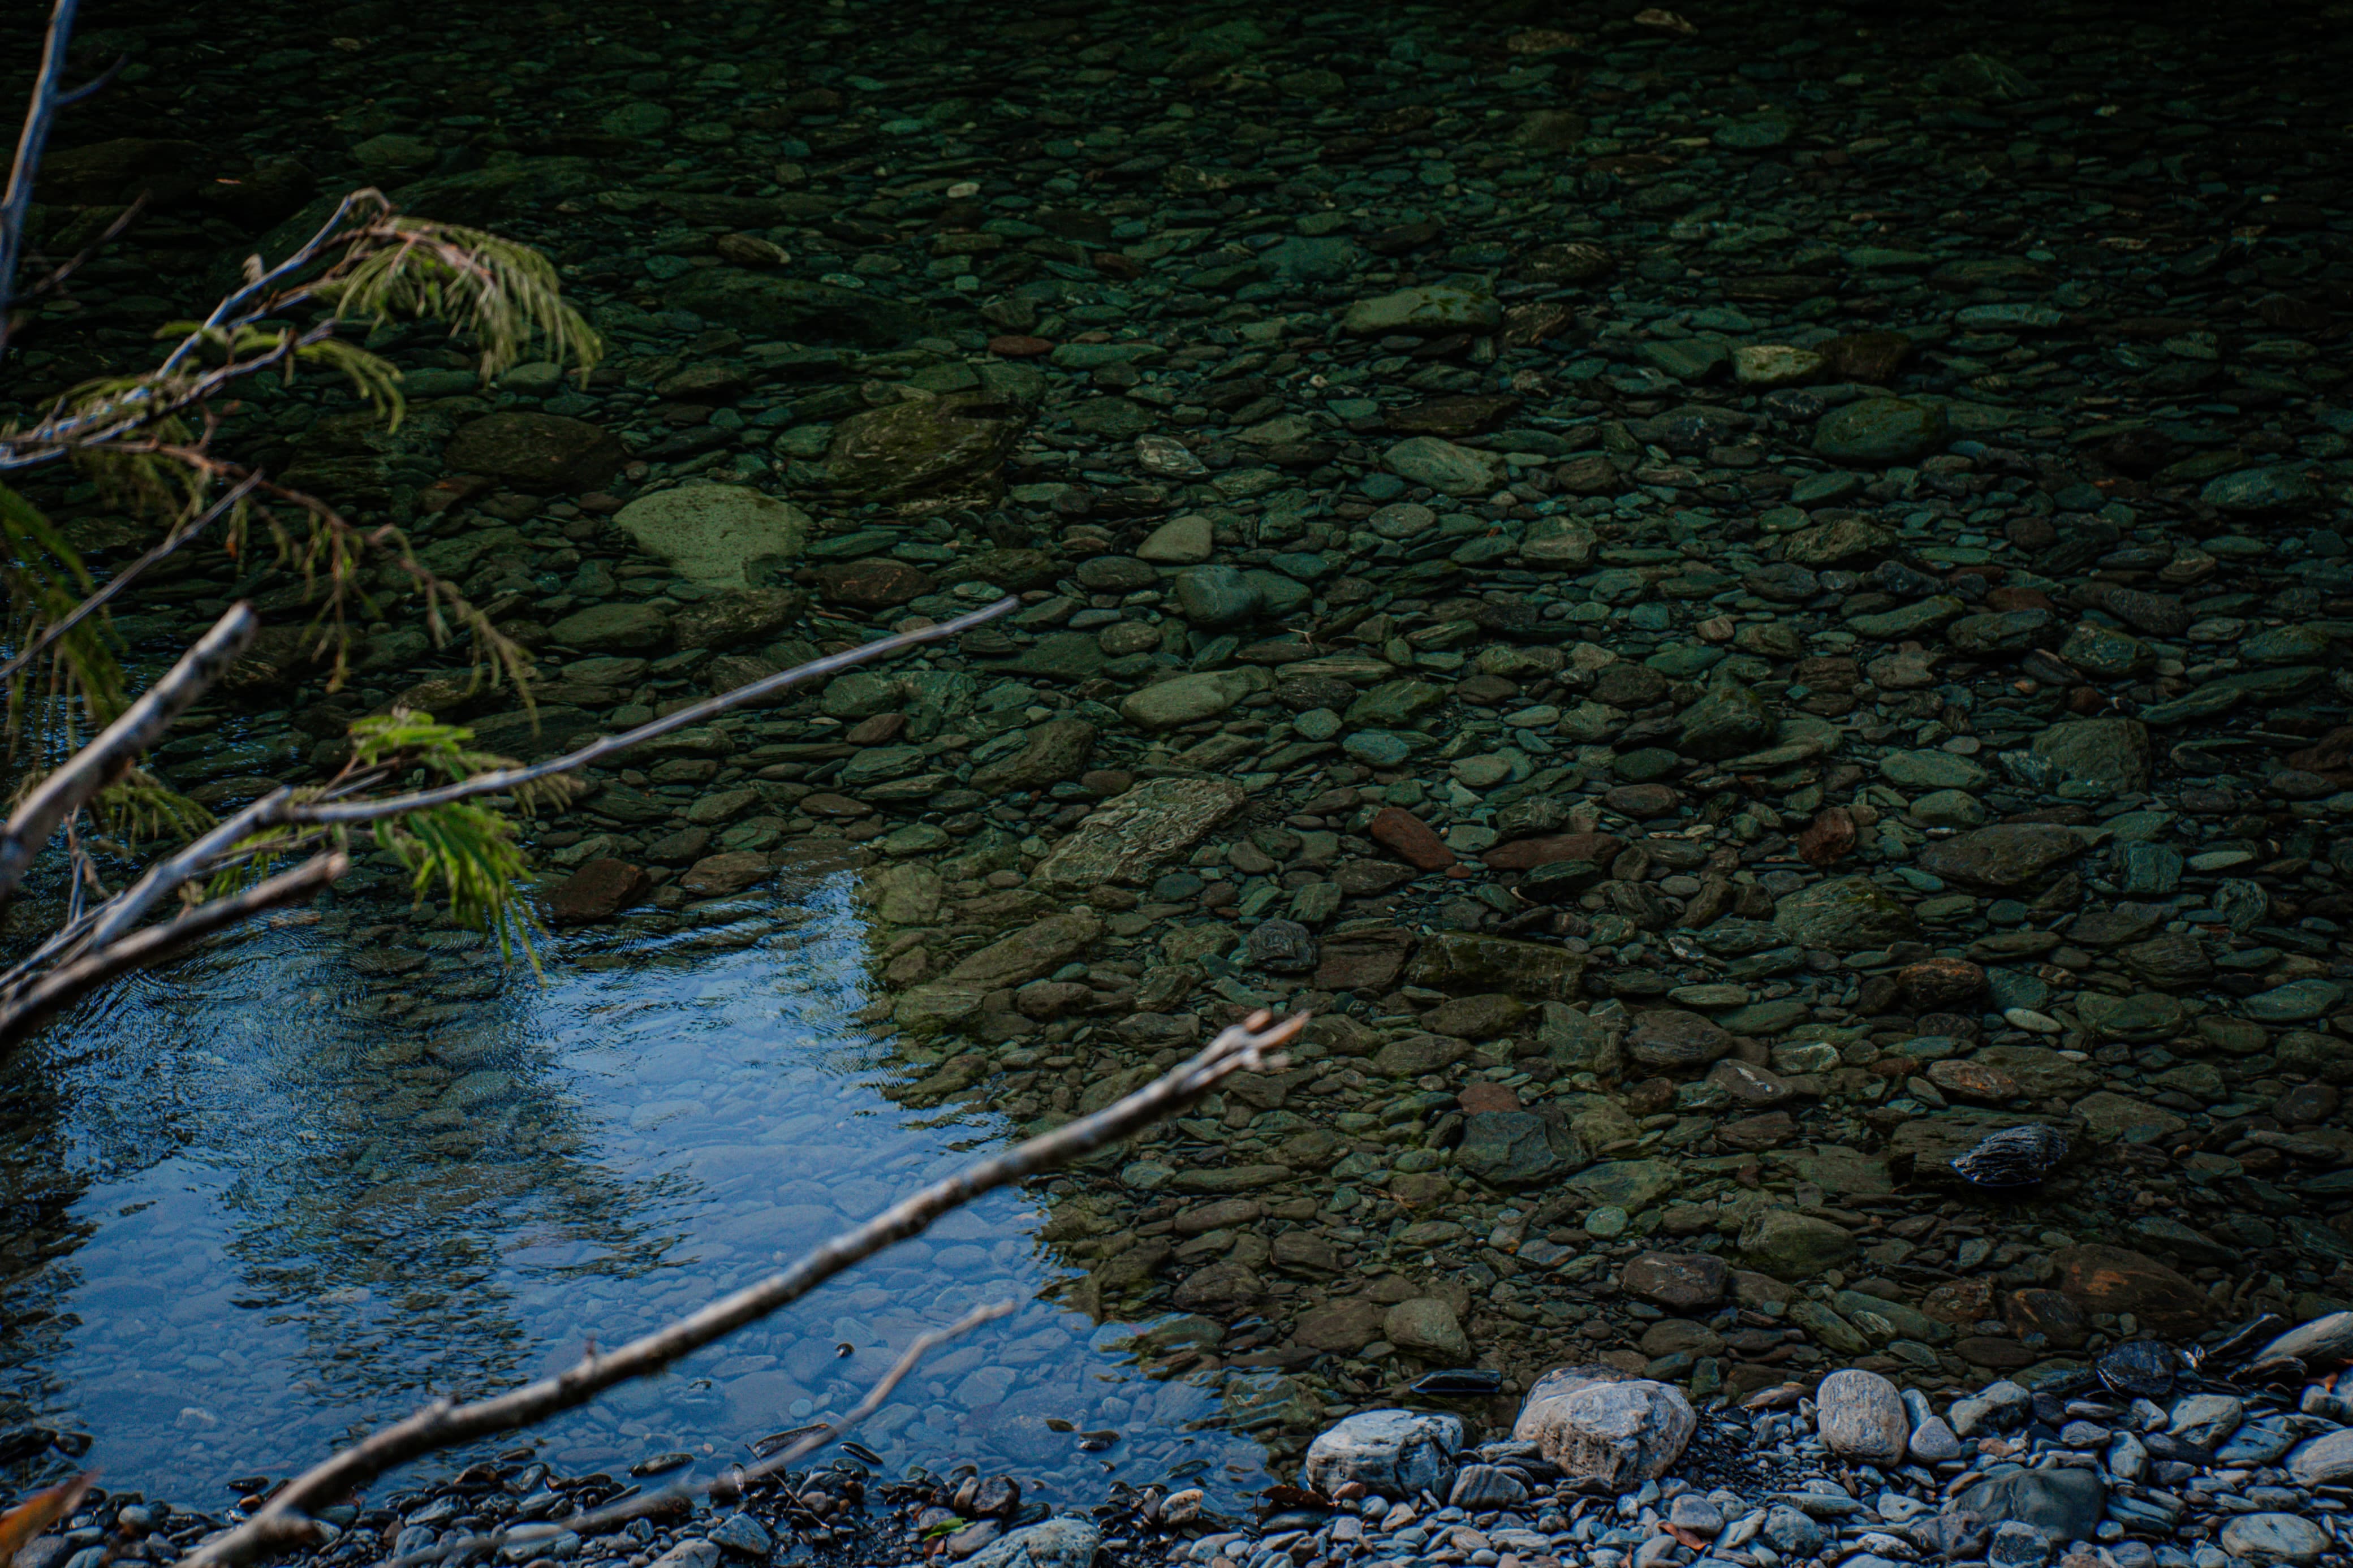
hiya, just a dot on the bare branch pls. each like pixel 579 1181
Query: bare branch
pixel 76 980
pixel 128 576
pixel 1250 1046
pixel 111 754
pixel 834 1432
pixel 376 809
pixel 88 936
pixel 17 200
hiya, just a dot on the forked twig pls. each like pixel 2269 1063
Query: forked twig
pixel 1250 1046
pixel 615 1514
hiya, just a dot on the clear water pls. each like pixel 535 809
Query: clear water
pixel 292 1186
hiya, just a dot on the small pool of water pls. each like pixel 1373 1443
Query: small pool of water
pixel 291 1187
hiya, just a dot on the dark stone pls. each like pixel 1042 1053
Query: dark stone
pixel 2111 1280
pixel 1679 1281
pixel 597 891
pixel 1363 960
pixel 538 452
pixel 1281 947
pixel 877 582
pixel 2067 1504
pixel 1516 1149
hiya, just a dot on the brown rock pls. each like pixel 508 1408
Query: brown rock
pixel 1593 475
pixel 2048 1313
pixel 1938 984
pixel 1679 1281
pixel 1480 1097
pixel 1481 1017
pixel 1370 878
pixel 1870 357
pixel 1769 1130
pixel 877 582
pixel 878 730
pixel 1829 837
pixel 1363 960
pixel 1525 854
pixel 1984 1350
pixel 716 876
pixel 1304 1252
pixel 1341 1326
pixel 1974 1080
pixel 1672 1039
pixel 537 452
pixel 599 890
pixel 1750 1084
pixel 1960 1302
pixel 1222 1286
pixel 734 619
pixel 1473 413
pixel 1642 801
pixel 1202 1218
pixel 1410 840
pixel 2159 614
pixel 2010 596
pixel 2111 1280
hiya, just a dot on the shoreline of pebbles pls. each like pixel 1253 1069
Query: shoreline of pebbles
pixel 2143 1463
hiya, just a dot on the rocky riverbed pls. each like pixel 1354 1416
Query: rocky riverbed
pixel 1736 605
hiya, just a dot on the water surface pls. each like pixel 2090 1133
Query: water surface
pixel 293 1185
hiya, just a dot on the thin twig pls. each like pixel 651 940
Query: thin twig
pixel 119 746
pixel 376 810
pixel 282 807
pixel 191 860
pixel 84 940
pixel 128 574
pixel 95 84
pixel 615 1514
pixel 65 269
pixel 1252 1046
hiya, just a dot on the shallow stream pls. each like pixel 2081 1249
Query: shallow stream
pixel 290 1188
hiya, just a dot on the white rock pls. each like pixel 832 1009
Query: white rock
pixel 2267 1538
pixel 1065 1542
pixel 1595 1423
pixel 1860 1416
pixel 1993 1406
pixel 2207 1420
pixel 1394 1453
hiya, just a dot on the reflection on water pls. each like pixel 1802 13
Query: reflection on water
pixel 288 1188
